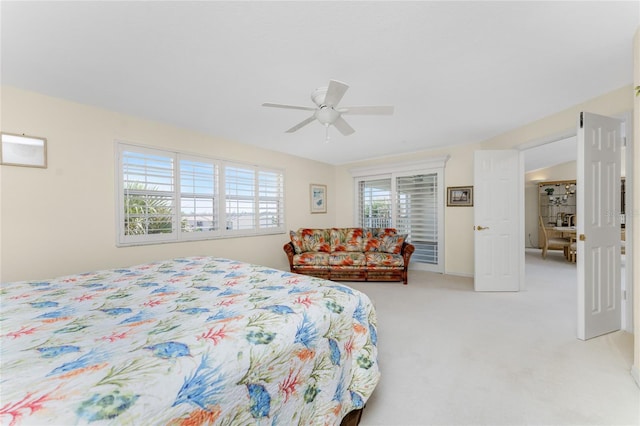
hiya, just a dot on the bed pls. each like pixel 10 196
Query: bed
pixel 188 341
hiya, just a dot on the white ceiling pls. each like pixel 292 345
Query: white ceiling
pixel 551 154
pixel 456 72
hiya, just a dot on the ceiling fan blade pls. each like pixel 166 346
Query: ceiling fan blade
pixel 301 124
pixel 343 126
pixel 335 92
pixel 367 110
pixel 272 105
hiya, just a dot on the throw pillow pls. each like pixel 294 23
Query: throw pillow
pixel 372 244
pixel 391 244
pixel 296 240
pixel 346 239
pixel 315 239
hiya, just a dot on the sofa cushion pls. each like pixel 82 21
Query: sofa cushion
pixel 383 260
pixel 311 259
pixel 346 258
pixel 313 240
pixel 346 239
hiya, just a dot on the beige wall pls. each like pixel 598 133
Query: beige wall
pixel 459 170
pixel 61 220
pixel 52 230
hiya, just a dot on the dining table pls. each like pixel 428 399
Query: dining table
pixel 570 231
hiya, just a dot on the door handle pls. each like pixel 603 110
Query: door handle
pixel 481 228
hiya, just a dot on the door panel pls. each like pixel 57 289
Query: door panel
pixel 598 201
pixel 499 244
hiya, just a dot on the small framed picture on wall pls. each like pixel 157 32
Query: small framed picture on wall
pixel 21 150
pixel 318 195
pixel 460 196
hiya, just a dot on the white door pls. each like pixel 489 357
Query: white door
pixel 498 224
pixel 598 226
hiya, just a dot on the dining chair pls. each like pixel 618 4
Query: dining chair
pixel 572 250
pixel 553 242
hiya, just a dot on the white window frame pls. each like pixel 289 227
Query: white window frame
pixel 219 196
pixel 393 171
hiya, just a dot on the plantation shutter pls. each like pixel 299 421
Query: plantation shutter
pixel 270 200
pixel 374 205
pixel 149 198
pixel 198 182
pixel 240 198
pixel 165 196
pixel 417 214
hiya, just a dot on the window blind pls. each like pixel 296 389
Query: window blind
pixel 148 190
pixel 198 182
pixel 374 203
pixel 240 198
pixel 270 199
pixel 169 196
pixel 417 214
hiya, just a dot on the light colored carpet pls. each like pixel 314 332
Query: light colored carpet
pixel 451 356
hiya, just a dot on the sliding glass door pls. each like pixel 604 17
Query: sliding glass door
pixel 411 202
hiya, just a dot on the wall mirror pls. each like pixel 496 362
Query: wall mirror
pixel 21 150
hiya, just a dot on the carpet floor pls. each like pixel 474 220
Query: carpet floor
pixel 451 356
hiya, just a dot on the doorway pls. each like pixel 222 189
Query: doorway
pixel 554 158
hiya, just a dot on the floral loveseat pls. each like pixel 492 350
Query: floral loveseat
pixel 350 254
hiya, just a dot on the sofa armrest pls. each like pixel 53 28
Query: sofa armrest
pixel 407 251
pixel 289 250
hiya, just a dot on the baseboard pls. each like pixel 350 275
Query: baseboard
pixel 635 373
pixel 459 274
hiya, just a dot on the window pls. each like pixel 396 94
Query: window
pixel 168 196
pixel 375 203
pixel 198 196
pixel 411 201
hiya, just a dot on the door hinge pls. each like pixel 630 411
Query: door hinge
pixel 624 141
pixel 581 120
pixel 624 294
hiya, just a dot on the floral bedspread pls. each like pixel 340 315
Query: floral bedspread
pixel 189 341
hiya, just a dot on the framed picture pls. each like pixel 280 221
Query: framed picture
pixel 318 195
pixel 460 196
pixel 20 150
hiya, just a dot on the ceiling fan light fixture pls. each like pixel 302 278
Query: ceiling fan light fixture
pixel 326 115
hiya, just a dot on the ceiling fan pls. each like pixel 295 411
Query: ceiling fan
pixel 327 111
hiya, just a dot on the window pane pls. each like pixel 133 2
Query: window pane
pixel 149 203
pixel 197 196
pixel 375 203
pixel 271 196
pixel 240 198
pixel 148 172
